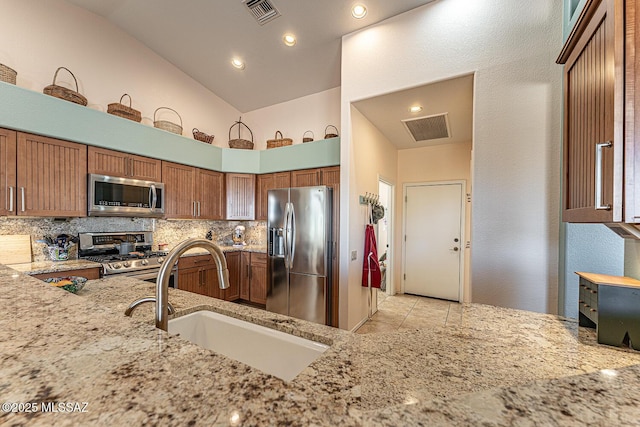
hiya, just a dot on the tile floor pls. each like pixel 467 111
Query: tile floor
pixel 405 311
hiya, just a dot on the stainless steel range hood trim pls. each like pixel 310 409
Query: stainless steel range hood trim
pixel 624 230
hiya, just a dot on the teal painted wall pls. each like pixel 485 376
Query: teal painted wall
pixel 28 111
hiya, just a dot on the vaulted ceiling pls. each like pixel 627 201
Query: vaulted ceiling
pixel 200 37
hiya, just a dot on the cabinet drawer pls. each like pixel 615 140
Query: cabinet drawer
pixel 258 258
pixel 195 261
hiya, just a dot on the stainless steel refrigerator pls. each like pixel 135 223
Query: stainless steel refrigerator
pixel 299 252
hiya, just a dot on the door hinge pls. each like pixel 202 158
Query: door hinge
pixel 405 237
pixel 405 276
pixel 406 199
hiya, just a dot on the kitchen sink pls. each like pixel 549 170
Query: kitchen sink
pixel 273 352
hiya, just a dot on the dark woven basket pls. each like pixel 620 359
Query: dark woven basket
pixel 306 138
pixel 239 142
pixel 121 110
pixel 64 93
pixel 201 136
pixel 278 142
pixel 328 134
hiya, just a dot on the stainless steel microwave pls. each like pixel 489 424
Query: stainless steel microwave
pixel 116 196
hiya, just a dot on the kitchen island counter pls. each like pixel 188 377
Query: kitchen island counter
pixel 498 366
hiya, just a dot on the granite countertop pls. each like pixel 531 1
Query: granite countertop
pixel 43 267
pixel 228 248
pixel 498 367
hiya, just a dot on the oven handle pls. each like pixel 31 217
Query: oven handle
pixel 145 276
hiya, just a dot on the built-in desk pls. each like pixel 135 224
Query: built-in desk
pixel 611 304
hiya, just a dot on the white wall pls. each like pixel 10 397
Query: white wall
pixel 516 139
pixel 293 118
pixel 40 36
pixel 377 157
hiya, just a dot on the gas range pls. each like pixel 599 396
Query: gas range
pixel 141 263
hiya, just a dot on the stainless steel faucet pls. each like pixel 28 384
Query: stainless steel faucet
pixel 162 282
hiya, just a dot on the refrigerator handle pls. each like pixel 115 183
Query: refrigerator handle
pixel 286 235
pixel 292 221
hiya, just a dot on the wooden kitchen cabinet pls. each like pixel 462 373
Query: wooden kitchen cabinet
pixel 192 193
pixel 51 177
pixel 115 163
pixel 199 274
pixel 232 293
pixel 8 163
pixel 264 183
pixel 601 158
pixel 253 277
pixel 241 189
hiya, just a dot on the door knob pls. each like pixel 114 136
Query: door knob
pixel 455 249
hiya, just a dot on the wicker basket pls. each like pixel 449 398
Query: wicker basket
pixel 63 92
pixel 278 142
pixel 201 136
pixel 328 134
pixel 166 125
pixel 121 110
pixel 239 142
pixel 7 74
pixel 306 138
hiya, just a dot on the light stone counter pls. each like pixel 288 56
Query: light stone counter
pixel 247 248
pixel 42 267
pixel 498 367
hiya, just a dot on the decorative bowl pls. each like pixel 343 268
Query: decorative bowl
pixel 70 283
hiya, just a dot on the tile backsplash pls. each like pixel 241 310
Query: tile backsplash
pixel 164 231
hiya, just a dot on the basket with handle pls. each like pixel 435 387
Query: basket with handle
pixel 328 134
pixel 7 74
pixel 239 142
pixel 121 110
pixel 306 138
pixel 201 136
pixel 278 142
pixel 165 124
pixel 64 93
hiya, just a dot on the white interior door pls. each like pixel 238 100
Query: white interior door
pixel 433 248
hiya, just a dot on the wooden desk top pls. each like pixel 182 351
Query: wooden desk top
pixel 605 279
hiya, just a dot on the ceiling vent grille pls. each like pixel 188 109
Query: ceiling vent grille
pixel 428 128
pixel 262 10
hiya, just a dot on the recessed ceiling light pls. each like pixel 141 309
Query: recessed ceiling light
pixel 415 109
pixel 359 11
pixel 237 63
pixel 289 39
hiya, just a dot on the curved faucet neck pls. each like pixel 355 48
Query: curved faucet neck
pixel 162 282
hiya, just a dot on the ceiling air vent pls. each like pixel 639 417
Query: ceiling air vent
pixel 428 128
pixel 262 10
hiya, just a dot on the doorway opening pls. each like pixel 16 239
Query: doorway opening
pixel 385 238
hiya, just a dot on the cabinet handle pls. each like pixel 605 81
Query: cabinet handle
pixel 194 208
pixel 593 310
pixel 10 199
pixel 248 271
pixel 198 208
pixel 22 191
pixel 599 166
pixel 131 166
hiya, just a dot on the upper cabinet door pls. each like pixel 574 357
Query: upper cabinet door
pixel 8 189
pixel 179 187
pixel 115 163
pixel 594 108
pixel 240 188
pixel 305 178
pixel 210 194
pixel 266 182
pixel 51 177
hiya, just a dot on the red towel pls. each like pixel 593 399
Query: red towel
pixel 371 264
